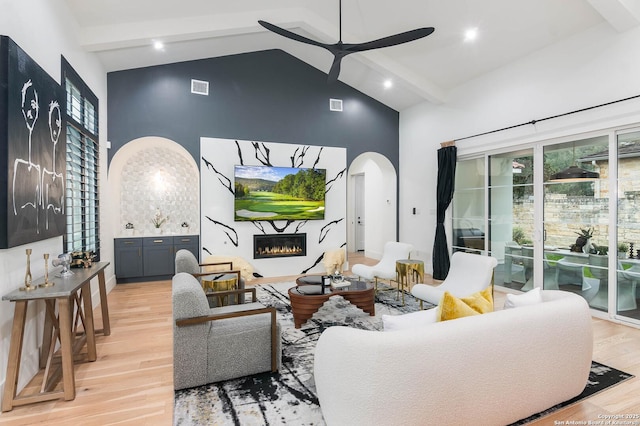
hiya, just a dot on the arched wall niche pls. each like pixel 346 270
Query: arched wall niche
pixel 149 174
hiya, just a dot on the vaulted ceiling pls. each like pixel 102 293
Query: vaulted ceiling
pixel 121 33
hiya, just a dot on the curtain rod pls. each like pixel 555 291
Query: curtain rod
pixel 547 118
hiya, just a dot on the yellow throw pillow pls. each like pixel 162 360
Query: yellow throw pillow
pixel 451 307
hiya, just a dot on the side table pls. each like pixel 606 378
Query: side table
pixel 406 269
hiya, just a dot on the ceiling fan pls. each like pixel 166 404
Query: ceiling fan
pixel 340 49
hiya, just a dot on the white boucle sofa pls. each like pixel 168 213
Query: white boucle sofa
pixel 491 369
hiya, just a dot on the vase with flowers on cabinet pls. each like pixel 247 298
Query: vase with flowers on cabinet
pixel 158 220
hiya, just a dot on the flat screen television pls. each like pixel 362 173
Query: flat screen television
pixel 278 193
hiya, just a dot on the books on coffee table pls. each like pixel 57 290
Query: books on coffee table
pixel 340 284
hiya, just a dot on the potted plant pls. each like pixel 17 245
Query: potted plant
pixel 583 242
pixel 601 250
pixel 128 228
pixel 623 250
pixel 158 220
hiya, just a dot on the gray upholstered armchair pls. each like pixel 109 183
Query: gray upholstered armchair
pixel 227 277
pixel 214 344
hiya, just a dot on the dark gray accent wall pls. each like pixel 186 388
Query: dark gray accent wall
pixel 265 96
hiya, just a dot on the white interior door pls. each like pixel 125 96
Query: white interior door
pixel 359 211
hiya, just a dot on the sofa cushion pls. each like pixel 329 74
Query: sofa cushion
pixel 411 320
pixel 451 307
pixel 531 297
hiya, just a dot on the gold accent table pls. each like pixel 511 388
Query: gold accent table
pixel 211 286
pixel 72 297
pixel 406 269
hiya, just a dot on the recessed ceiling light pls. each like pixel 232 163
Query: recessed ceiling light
pixel 471 34
pixel 388 84
pixel 158 45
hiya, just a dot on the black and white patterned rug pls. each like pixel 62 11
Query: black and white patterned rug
pixel 288 396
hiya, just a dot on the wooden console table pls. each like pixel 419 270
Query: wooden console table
pixel 72 297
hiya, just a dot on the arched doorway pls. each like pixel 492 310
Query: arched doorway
pixel 373 180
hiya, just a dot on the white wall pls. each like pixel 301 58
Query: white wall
pixel 44 31
pixel 595 67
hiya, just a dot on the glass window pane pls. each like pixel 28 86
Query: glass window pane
pixel 468 206
pixel 511 223
pixel 576 218
pixel 628 229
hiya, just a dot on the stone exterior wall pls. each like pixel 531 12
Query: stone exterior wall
pixel 566 215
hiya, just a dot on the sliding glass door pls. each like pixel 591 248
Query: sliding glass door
pixel 469 206
pixel 511 217
pixel 576 218
pixel 627 267
pixel 550 215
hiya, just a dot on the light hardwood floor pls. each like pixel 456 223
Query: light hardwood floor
pixel 131 382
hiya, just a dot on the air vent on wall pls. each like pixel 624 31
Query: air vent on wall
pixel 200 87
pixel 335 104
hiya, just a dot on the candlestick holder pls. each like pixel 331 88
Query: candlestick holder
pixel 46 282
pixel 27 276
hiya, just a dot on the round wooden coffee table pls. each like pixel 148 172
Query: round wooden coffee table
pixel 303 306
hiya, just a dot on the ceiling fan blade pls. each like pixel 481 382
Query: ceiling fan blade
pixel 390 41
pixel 290 35
pixel 335 69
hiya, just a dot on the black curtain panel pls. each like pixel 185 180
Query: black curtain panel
pixel 446 178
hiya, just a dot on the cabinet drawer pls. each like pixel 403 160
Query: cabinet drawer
pixel 128 242
pixel 185 240
pixel 157 241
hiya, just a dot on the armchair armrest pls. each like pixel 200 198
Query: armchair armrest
pixel 230 264
pixel 266 310
pixel 204 274
pixel 236 291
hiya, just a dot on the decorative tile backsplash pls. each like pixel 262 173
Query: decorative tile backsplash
pixel 158 178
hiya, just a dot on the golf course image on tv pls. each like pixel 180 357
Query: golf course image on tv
pixel 278 193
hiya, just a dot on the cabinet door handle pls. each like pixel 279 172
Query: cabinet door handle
pixel 186 240
pixel 158 241
pixel 128 242
pixel 139 252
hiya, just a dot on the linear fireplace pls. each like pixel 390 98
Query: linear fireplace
pixel 279 245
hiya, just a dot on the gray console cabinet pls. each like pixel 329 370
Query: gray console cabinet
pixel 147 258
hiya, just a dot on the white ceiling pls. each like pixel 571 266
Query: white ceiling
pixel 120 32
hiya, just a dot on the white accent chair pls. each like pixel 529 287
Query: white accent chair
pixel 468 274
pixel 386 268
pixel 627 287
pixel 627 284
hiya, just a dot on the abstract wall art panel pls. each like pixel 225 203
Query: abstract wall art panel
pixel 32 150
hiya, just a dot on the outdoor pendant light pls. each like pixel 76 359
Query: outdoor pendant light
pixel 574 173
